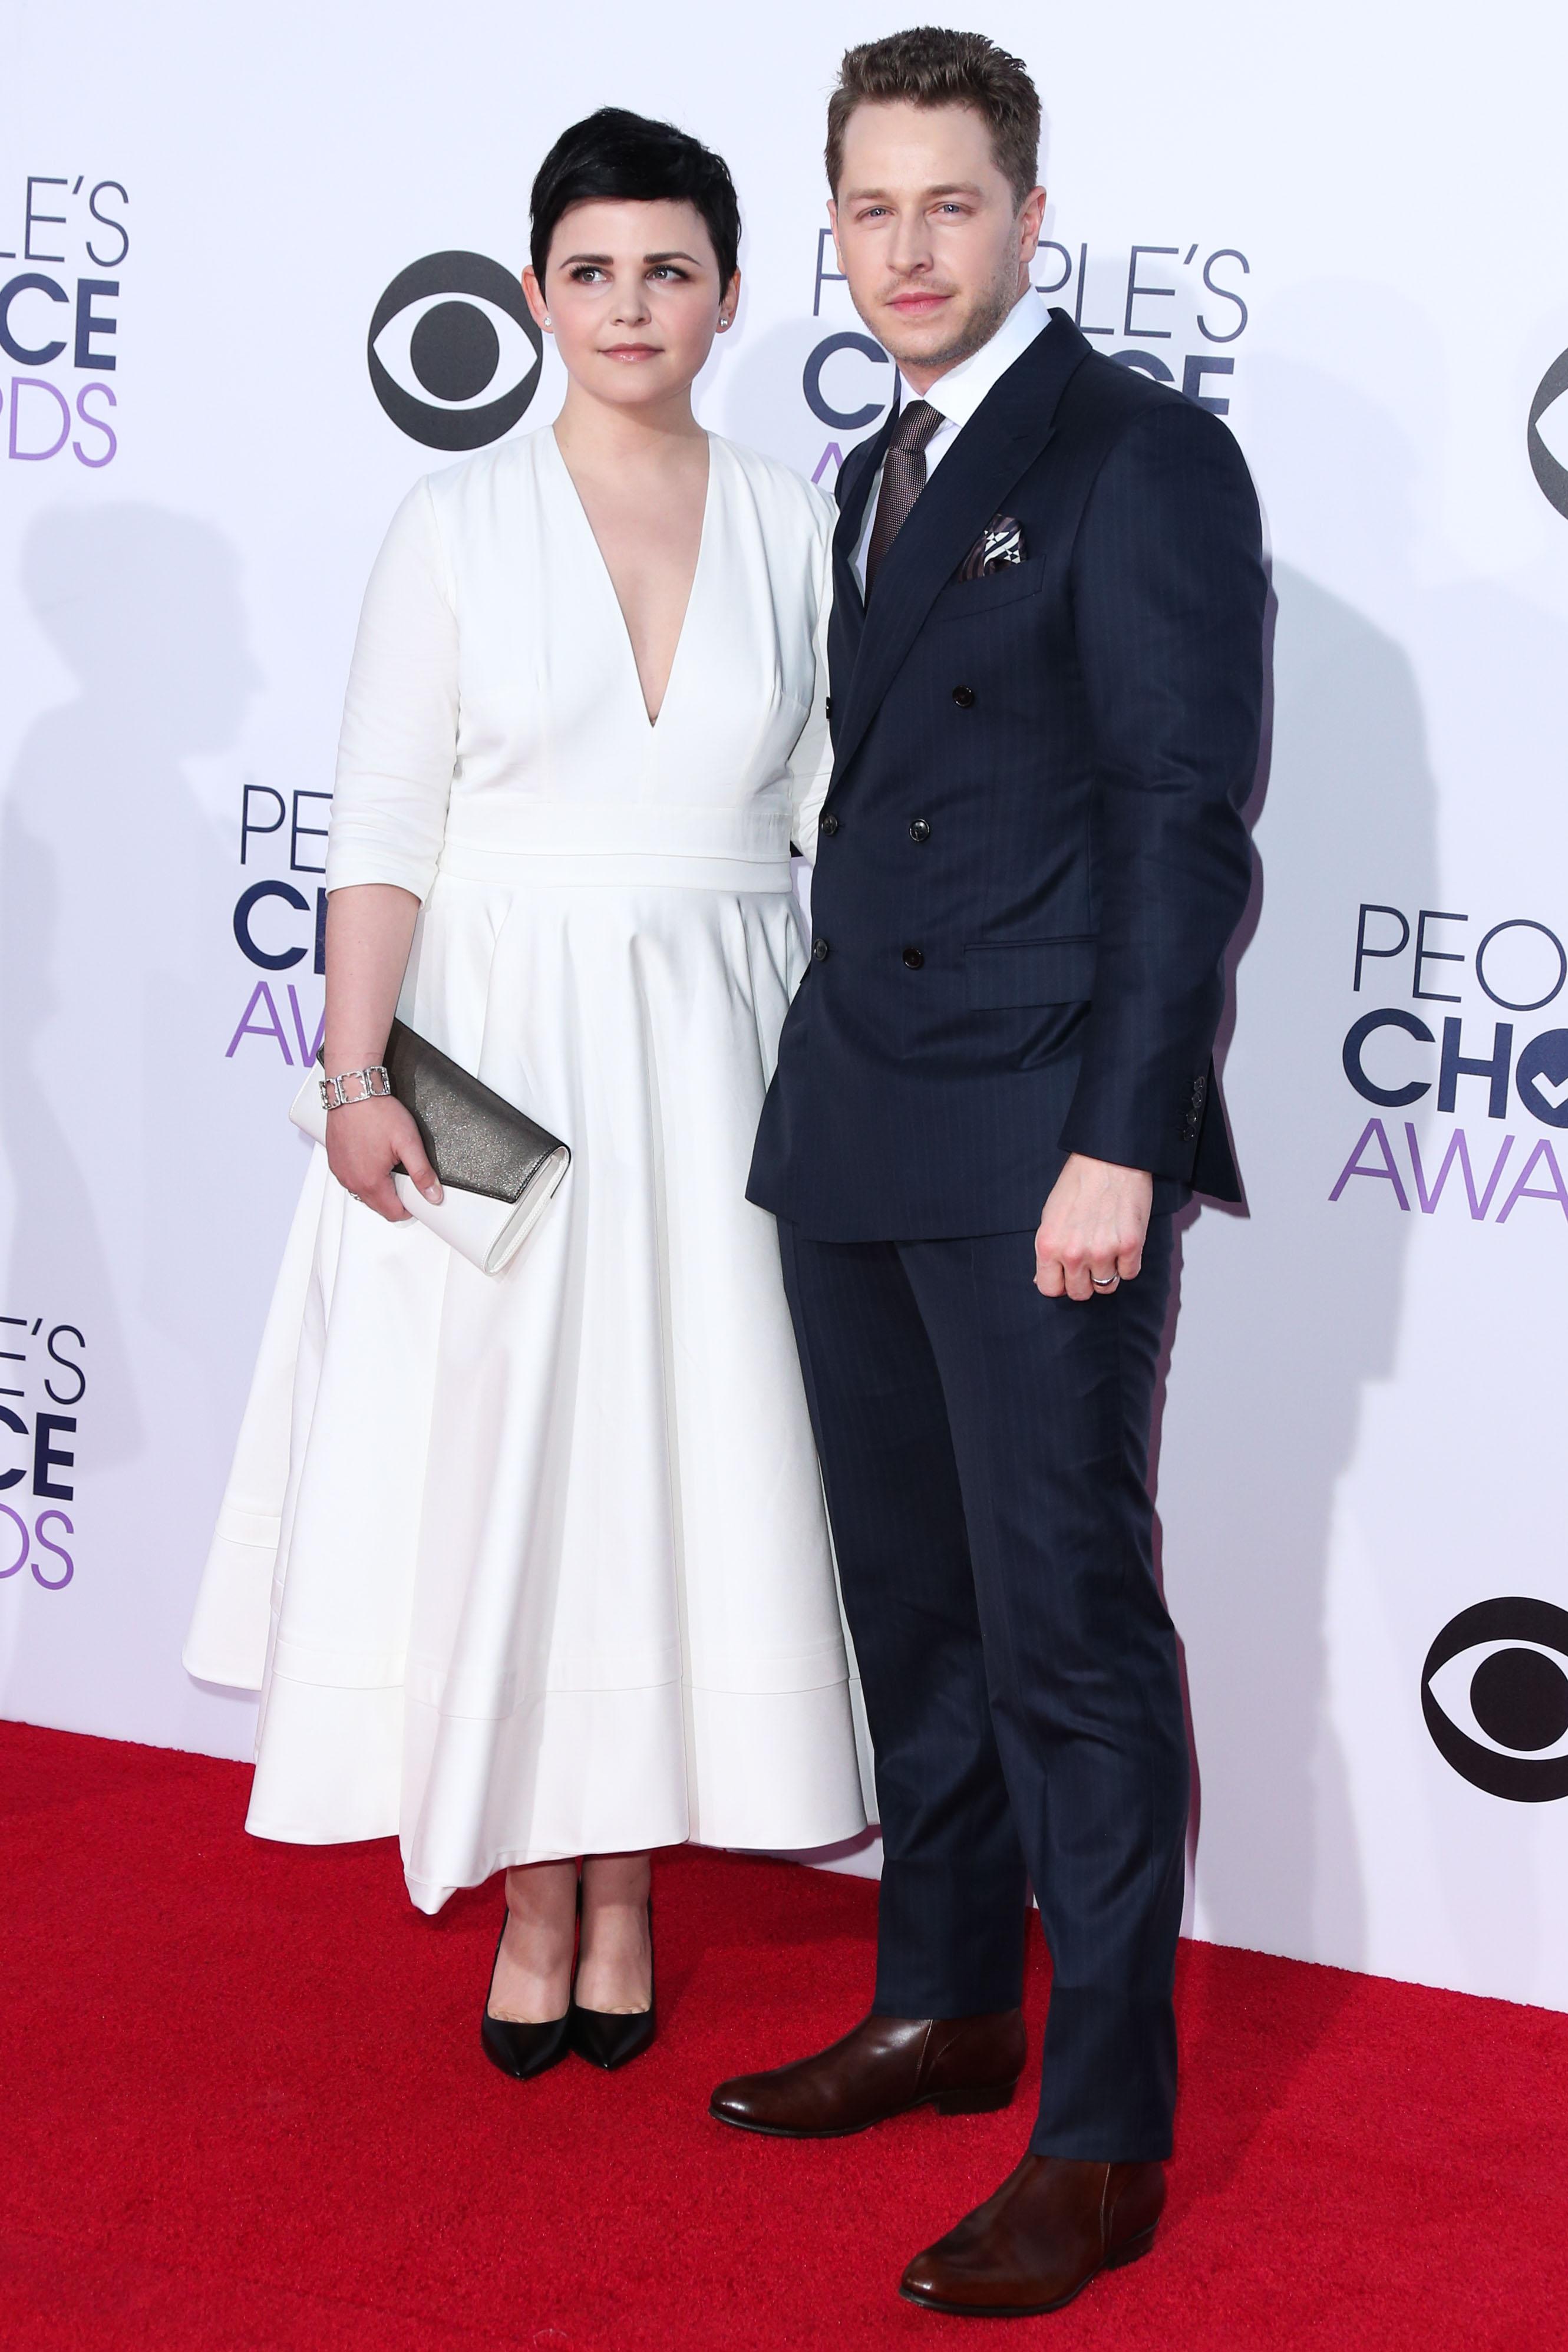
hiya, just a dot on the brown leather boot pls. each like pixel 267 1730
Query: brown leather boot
pixel 1054 2224
pixel 963 2066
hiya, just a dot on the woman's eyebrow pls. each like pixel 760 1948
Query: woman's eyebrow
pixel 607 260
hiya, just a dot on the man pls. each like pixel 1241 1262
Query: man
pixel 994 1088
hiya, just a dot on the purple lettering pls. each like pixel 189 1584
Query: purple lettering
pixel 21 383
pixel 20 1524
pixel 96 425
pixel 1457 1149
pixel 54 1583
pixel 307 1053
pixel 1353 1166
pixel 273 1027
pixel 1523 1190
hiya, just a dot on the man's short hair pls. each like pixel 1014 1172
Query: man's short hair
pixel 928 67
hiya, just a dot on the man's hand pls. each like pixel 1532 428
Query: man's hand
pixel 1092 1228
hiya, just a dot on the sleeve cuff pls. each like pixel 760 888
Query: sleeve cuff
pixel 349 865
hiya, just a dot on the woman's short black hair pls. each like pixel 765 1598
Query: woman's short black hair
pixel 616 157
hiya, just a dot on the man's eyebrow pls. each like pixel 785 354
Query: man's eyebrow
pixel 948 188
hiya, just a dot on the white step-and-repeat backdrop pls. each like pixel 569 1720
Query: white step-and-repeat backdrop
pixel 1341 227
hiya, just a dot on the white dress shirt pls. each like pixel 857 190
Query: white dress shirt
pixel 960 392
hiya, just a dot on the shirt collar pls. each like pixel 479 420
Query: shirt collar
pixel 960 392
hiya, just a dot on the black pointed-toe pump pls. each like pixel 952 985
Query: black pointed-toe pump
pixel 610 2038
pixel 522 2051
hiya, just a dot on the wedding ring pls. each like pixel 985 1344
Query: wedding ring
pixel 1105 1282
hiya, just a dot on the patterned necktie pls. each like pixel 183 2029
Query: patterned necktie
pixel 902 479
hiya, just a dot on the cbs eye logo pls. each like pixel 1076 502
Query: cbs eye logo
pixel 1494 1691
pixel 453 352
pixel 1549 450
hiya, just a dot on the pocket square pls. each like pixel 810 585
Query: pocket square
pixel 1000 542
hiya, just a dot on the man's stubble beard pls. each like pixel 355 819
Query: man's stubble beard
pixel 1000 299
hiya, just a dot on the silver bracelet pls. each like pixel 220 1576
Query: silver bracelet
pixel 373 1083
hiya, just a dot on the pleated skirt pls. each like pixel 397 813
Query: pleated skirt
pixel 534 1565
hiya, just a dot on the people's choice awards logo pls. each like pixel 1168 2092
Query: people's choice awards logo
pixel 1494 1691
pixel 453 352
pixel 42 1367
pixel 1548 433
pixel 61 277
pixel 1465 1066
pixel 1127 299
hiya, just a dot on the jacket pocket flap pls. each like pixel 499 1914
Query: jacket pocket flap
pixel 1030 972
pixel 1006 585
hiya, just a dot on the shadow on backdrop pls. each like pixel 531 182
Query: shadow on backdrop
pixel 109 876
pixel 1284 1337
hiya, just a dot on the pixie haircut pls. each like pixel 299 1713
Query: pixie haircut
pixel 931 68
pixel 615 157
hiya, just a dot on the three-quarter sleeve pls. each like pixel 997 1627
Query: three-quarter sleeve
pixel 398 746
pixel 811 760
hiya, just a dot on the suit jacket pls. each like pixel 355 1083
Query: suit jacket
pixel 1030 856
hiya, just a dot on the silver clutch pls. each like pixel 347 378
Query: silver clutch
pixel 499 1169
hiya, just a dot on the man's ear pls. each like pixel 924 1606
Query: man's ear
pixel 1032 220
pixel 833 224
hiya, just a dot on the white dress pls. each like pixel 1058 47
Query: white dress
pixel 535 1565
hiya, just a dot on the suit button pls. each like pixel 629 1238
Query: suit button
pixel 920 830
pixel 914 958
pixel 964 696
pixel 830 823
pixel 827 708
pixel 819 950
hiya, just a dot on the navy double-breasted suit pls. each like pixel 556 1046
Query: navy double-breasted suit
pixel 1031 859
pixel 1036 791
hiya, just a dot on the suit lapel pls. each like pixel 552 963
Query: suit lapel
pixel 1001 441
pixel 854 483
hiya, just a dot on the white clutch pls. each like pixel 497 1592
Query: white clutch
pixel 500 1169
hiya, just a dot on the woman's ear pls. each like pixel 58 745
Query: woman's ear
pixel 533 294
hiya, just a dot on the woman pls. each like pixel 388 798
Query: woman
pixel 548 1571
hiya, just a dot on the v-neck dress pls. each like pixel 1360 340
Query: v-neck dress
pixel 535 1565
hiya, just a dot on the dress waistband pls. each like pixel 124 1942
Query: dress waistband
pixel 553 842
pixel 576 870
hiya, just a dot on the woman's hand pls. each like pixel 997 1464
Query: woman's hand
pixel 369 926
pixel 365 1141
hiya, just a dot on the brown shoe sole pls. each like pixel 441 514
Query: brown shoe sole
pixel 946 2103
pixel 1130 2252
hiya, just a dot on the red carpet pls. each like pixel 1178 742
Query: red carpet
pixel 246 2110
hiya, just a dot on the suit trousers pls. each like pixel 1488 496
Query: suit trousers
pixel 984 1459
